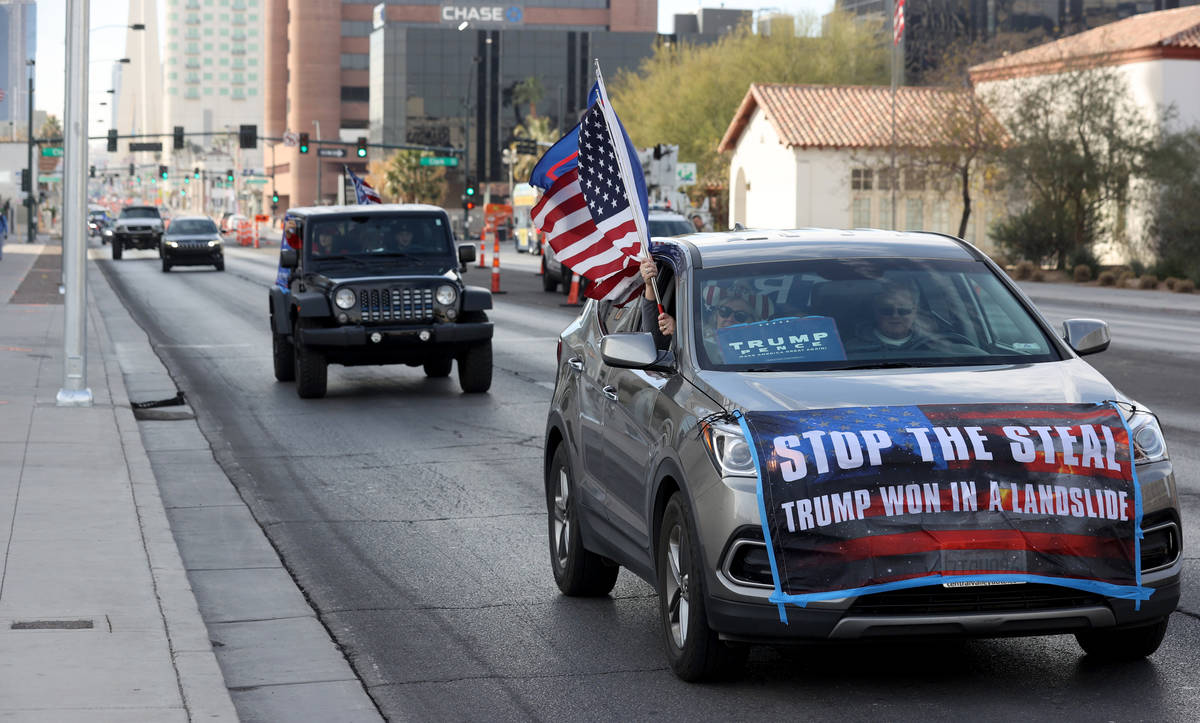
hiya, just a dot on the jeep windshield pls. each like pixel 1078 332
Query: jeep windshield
pixel 380 241
pixel 140 213
pixel 828 314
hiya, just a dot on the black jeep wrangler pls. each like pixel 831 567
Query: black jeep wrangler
pixel 138 227
pixel 376 284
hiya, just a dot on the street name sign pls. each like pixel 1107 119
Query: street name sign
pixel 154 146
pixel 331 152
pixel 439 161
pixel 256 180
pixel 52 152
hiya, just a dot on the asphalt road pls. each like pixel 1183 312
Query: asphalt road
pixel 411 515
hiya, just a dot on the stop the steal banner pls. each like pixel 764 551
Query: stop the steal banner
pixel 866 499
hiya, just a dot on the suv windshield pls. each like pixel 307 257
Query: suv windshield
pixel 139 213
pixel 861 314
pixel 192 226
pixel 404 239
pixel 670 227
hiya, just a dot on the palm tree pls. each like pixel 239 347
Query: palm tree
pixel 539 129
pixel 52 128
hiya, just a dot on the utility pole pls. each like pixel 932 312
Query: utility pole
pixel 31 208
pixel 75 392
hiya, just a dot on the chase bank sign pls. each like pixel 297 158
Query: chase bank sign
pixel 483 14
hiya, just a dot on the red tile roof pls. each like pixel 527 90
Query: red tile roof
pixel 845 116
pixel 1163 34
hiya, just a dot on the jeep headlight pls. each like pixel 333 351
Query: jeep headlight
pixel 215 242
pixel 1148 443
pixel 344 298
pixel 446 295
pixel 729 450
pixel 173 244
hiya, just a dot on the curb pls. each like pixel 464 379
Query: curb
pixel 201 682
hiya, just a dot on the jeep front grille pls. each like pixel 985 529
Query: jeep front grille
pixel 396 304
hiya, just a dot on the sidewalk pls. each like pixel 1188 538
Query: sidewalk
pixel 97 619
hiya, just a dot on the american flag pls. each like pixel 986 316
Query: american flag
pixel 586 214
pixel 363 193
pixel 898 23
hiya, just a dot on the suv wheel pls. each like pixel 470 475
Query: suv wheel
pixel 220 264
pixel 1123 643
pixel 312 371
pixel 548 281
pixel 693 649
pixel 166 265
pixel 117 248
pixel 284 355
pixel 475 368
pixel 160 249
pixel 577 572
pixel 439 367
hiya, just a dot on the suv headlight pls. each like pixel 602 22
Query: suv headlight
pixel 729 450
pixel 1148 443
pixel 446 295
pixel 344 298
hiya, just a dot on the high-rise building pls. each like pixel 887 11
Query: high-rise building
pixel 212 78
pixel 139 97
pixel 322 83
pixel 18 43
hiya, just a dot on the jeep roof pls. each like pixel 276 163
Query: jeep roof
pixel 369 208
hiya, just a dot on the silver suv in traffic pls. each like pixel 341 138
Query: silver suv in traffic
pixel 847 519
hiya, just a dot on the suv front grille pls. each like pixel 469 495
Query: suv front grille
pixel 937 600
pixel 399 303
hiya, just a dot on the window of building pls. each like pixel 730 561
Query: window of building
pixel 208 46
pixel 860 178
pixel 914 214
pixel 224 91
pixel 356 28
pixel 208 31
pixel 914 179
pixel 253 77
pixel 253 91
pixel 208 61
pixel 223 76
pixel 224 60
pixel 883 179
pixel 355 93
pixel 208 91
pixel 941 217
pixel 208 76
pixel 885 213
pixel 356 61
pixel 171 90
pixel 861 213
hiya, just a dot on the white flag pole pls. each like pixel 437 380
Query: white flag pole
pixel 626 171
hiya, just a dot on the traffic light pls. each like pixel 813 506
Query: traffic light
pixel 470 188
pixel 229 175
pixel 274 197
pixel 469 202
pixel 162 172
pixel 362 147
pixel 196 173
pixel 248 136
pixel 112 141
pixel 178 138
pixel 304 143
pixel 132 171
pixel 91 172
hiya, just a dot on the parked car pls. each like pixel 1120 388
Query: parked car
pixel 660 224
pixel 651 463
pixel 376 284
pixel 192 241
pixel 138 227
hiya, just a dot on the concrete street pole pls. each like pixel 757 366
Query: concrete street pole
pixel 75 392
pixel 31 208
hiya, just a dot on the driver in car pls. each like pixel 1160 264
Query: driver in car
pixel 894 325
pixel 324 246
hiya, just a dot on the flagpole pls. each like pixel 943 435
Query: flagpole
pixel 626 169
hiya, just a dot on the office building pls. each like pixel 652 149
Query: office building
pixel 18 43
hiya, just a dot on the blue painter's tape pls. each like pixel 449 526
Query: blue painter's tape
pixel 762 514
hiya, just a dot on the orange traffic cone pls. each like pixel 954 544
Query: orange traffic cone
pixel 573 297
pixel 482 247
pixel 496 263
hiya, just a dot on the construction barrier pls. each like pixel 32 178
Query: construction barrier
pixel 573 297
pixel 245 232
pixel 495 262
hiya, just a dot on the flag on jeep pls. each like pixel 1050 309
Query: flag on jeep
pixel 363 193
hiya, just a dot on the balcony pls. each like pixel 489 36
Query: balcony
pixel 192 64
pixel 192 5
pixel 193 78
pixel 238 64
pixel 193 20
pixel 192 49
pixel 238 50
pixel 238 20
pixel 237 79
pixel 239 37
pixel 238 5
pixel 192 94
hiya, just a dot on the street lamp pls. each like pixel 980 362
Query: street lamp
pixel 31 199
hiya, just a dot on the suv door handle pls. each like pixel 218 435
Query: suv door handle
pixel 575 363
pixel 610 393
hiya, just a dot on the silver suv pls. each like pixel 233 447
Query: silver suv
pixel 661 456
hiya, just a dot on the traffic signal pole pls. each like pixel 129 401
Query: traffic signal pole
pixel 31 208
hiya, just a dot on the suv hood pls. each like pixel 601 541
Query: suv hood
pixel 1067 381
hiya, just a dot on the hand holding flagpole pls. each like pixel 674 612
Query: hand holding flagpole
pixel 626 172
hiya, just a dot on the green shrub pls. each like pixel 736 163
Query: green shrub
pixel 1107 278
pixel 1185 287
pixel 1147 281
pixel 1171 282
pixel 1082 274
pixel 1124 275
pixel 1024 270
pixel 1037 275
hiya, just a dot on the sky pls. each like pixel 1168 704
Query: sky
pixel 108 43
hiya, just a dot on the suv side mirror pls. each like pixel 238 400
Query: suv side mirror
pixel 1086 336
pixel 288 258
pixel 635 350
pixel 466 253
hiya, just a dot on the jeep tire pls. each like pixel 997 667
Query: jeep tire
pixel 285 357
pixel 117 248
pixel 549 283
pixel 475 368
pixel 312 370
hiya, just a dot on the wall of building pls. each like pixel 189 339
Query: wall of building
pixel 18 43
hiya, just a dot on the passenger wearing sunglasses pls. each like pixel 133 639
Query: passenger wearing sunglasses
pixel 893 323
